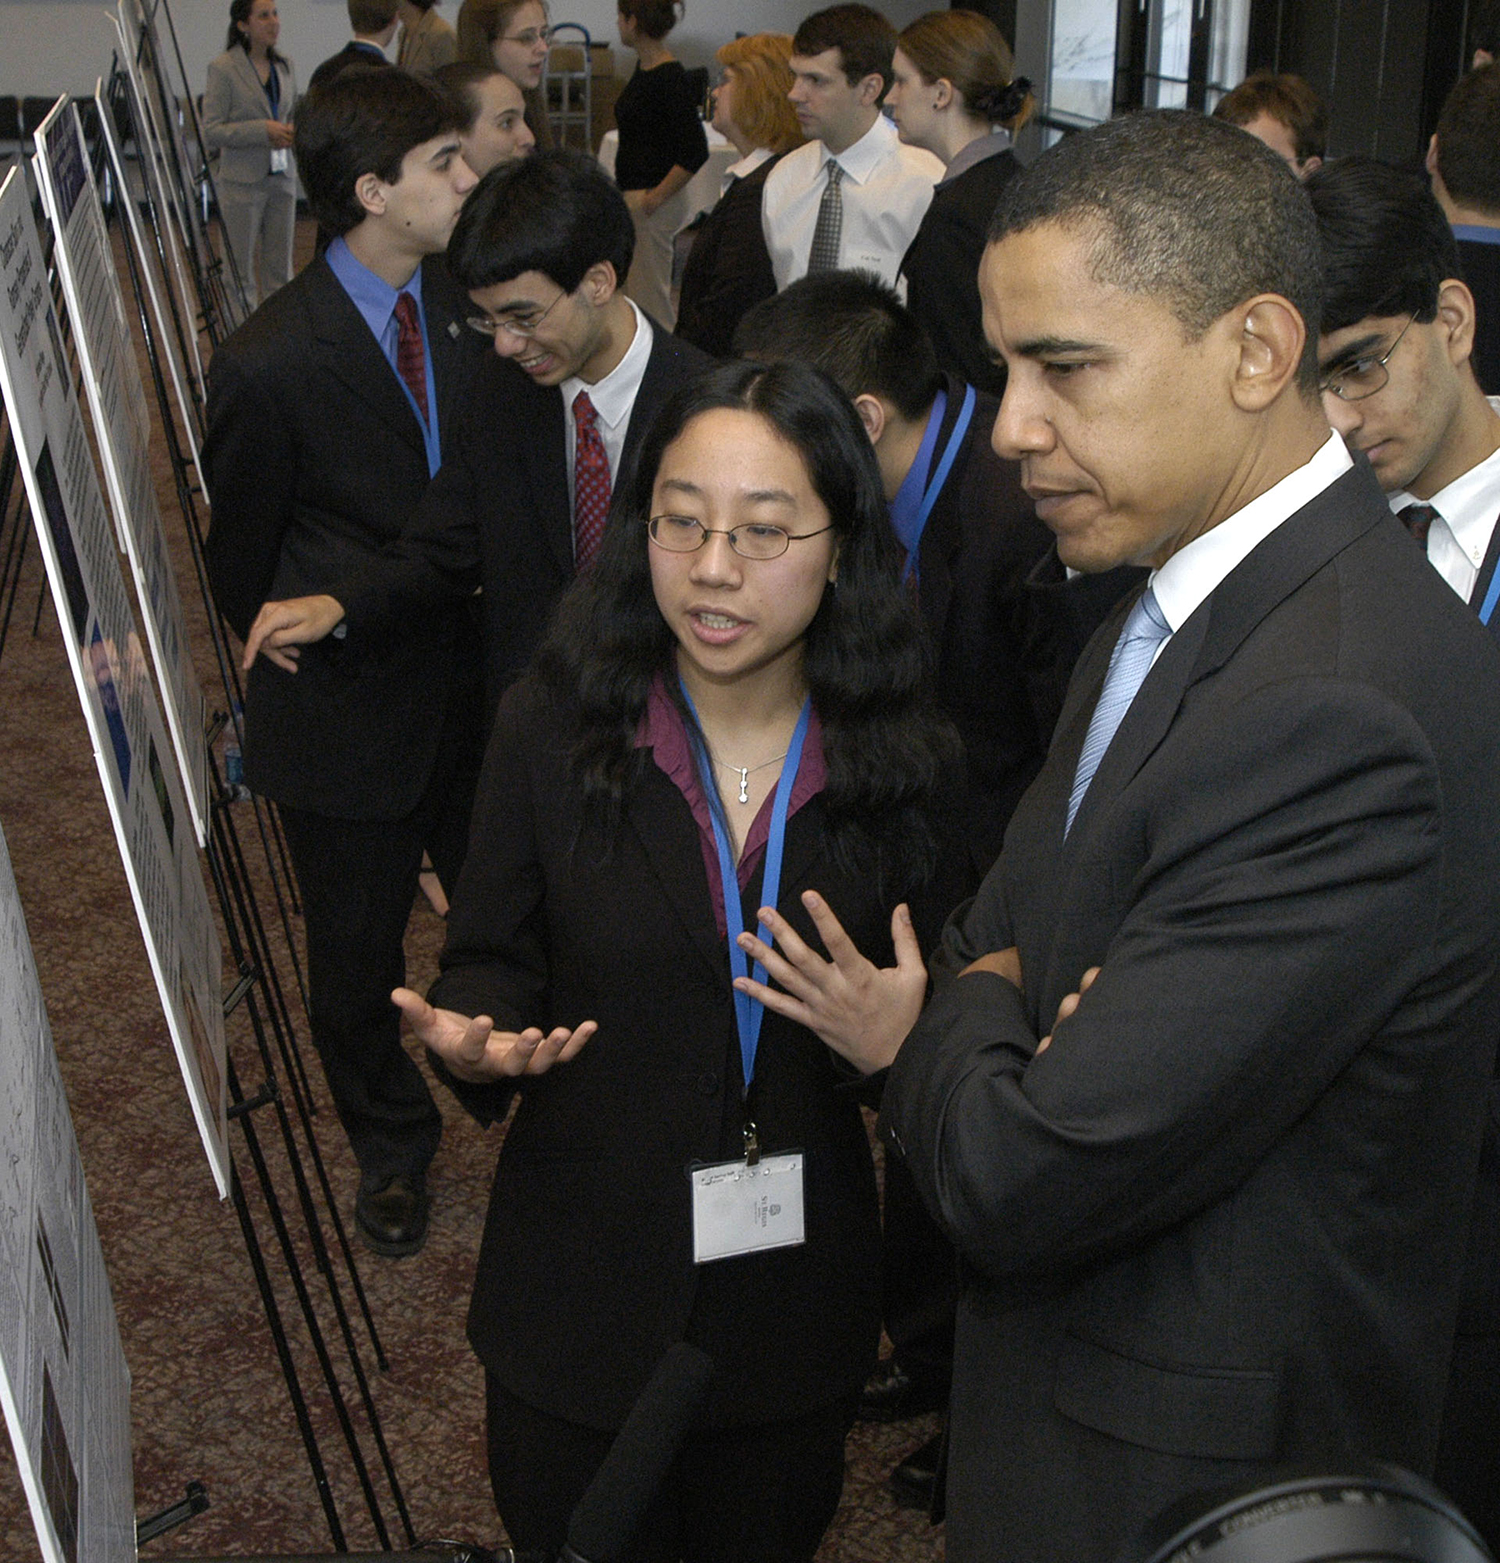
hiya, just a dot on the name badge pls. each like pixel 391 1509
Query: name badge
pixel 281 160
pixel 739 1208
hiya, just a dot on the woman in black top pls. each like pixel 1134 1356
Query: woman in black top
pixel 728 268
pixel 740 668
pixel 662 145
pixel 954 93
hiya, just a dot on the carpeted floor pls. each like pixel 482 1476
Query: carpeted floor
pixel 209 1400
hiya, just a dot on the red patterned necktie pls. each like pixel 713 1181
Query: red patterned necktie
pixel 1418 520
pixel 411 359
pixel 590 483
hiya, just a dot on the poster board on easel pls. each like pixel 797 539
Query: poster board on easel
pixel 118 403
pixel 64 1384
pixel 146 805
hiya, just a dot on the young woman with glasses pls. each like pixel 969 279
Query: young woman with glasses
pixel 515 37
pixel 734 693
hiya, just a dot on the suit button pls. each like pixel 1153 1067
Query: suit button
pixel 708 1084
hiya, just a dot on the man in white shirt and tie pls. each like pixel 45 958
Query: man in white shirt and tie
pixel 1399 384
pixel 852 197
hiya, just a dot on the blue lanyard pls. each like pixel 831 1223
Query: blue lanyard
pixel 1487 607
pixel 747 1013
pixel 945 466
pixel 273 91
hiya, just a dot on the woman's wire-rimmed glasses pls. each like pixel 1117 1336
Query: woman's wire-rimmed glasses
pixel 750 540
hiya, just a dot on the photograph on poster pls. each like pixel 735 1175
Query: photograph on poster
pixel 56 517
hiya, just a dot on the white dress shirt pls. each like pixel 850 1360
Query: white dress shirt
pixel 1187 578
pixel 613 397
pixel 1467 510
pixel 887 189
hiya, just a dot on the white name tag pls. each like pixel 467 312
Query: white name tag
pixel 740 1209
pixel 281 160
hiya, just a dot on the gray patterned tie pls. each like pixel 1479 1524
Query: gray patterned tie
pixel 824 255
pixel 1129 663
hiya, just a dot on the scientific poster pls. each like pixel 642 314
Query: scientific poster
pixel 122 425
pixel 146 805
pixel 63 1379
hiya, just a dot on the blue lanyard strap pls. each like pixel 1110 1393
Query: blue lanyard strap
pixel 940 477
pixel 1487 607
pixel 747 1013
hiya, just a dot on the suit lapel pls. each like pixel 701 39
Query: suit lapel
pixel 544 436
pixel 1270 573
pixel 1486 578
pixel 352 355
pixel 656 384
pixel 663 825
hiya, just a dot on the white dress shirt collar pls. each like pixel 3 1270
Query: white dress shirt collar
pixel 746 165
pixel 1187 578
pixel 614 395
pixel 865 156
pixel 1468 508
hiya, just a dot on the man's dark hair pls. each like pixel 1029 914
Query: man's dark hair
pixel 864 38
pixel 364 121
pixel 461 80
pixel 1187 209
pixel 1387 248
pixel 368 18
pixel 1468 140
pixel 556 212
pixel 852 326
pixel 1484 29
pixel 1285 98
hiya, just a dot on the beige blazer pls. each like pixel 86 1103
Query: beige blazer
pixel 235 111
pixel 427 44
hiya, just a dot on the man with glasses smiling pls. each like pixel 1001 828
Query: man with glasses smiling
pixel 1399 384
pixel 552 421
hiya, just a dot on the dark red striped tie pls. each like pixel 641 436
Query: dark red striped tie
pixel 411 359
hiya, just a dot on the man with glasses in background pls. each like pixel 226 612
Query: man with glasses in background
pixel 1398 383
pixel 552 421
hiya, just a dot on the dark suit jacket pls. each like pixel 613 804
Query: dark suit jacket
pixel 728 268
pixel 336 64
pixel 585 1274
pixel 1481 269
pixel 1218 1223
pixel 1001 665
pixel 314 458
pixel 498 515
pixel 942 269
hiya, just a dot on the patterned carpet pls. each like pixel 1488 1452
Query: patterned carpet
pixel 209 1401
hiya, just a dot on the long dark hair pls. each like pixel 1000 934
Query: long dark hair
pixel 239 11
pixel 889 754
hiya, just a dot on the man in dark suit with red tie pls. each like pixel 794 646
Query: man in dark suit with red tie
pixel 1200 1088
pixel 552 422
pixel 328 413
pixel 1399 384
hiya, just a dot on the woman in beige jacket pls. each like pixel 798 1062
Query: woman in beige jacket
pixel 247 123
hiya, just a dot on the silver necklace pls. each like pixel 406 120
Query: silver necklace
pixel 744 772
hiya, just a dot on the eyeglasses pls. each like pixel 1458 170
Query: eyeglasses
pixel 518 325
pixel 1362 377
pixel 752 540
pixel 530 38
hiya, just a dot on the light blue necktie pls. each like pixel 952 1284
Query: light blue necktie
pixel 1129 663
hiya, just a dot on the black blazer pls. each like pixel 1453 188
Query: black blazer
pixel 1481 270
pixel 314 458
pixel 728 268
pixel 585 1273
pixel 498 514
pixel 336 64
pixel 1218 1223
pixel 1000 663
pixel 942 269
